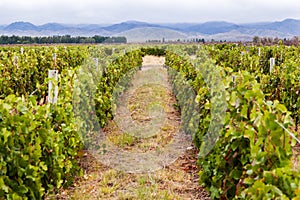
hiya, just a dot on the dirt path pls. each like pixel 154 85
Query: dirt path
pixel 176 178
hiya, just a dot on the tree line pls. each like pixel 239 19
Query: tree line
pixel 272 41
pixel 59 39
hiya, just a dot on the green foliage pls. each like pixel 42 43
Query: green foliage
pixel 39 145
pixel 280 183
pixel 59 39
pixel 251 144
pixel 26 73
pixel 252 157
pixel 282 84
pixel 39 142
pixel 154 51
pixel 123 65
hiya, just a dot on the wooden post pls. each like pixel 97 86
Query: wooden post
pixel 233 80
pixel 16 61
pixel 54 59
pixel 259 51
pixel 96 63
pixel 272 63
pixel 54 56
pixel 52 92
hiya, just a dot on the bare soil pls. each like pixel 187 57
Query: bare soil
pixel 178 180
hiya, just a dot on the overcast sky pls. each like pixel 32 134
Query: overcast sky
pixel 114 11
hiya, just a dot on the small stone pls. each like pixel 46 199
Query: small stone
pixel 189 148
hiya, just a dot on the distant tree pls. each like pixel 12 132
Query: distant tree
pixel 270 40
pixel 59 39
pixel 276 40
pixel 295 40
pixel 99 39
pixel 256 39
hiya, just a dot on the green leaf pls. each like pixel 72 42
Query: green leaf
pixel 244 111
pixel 281 107
pixel 43 166
pixel 5 133
pixel 22 109
pixel 249 172
pixel 249 181
pixel 3 187
pixel 215 193
pixel 22 189
pixel 7 106
pixel 236 174
pixel 233 99
pixel 276 190
pixel 235 144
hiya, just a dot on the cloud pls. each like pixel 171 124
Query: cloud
pixel 112 11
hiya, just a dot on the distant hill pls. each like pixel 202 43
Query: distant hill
pixel 152 33
pixel 21 26
pixel 210 28
pixel 233 35
pixel 141 31
pixel 52 27
pixel 125 26
pixel 290 26
pixel 264 32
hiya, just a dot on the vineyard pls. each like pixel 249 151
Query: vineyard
pixel 240 109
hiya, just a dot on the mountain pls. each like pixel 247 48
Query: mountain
pixel 89 27
pixel 264 32
pixel 210 28
pixel 52 27
pixel 178 26
pixel 233 36
pixel 151 33
pixel 141 31
pixel 20 26
pixel 125 26
pixel 49 29
pixel 291 26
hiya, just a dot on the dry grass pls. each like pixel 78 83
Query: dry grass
pixel 143 97
pixel 153 60
pixel 176 181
